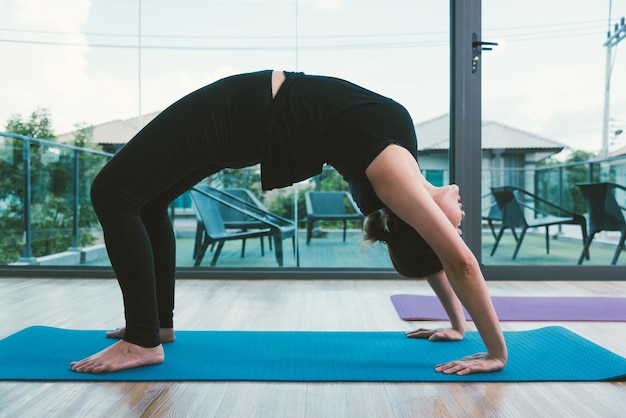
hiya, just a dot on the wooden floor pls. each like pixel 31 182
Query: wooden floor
pixel 291 305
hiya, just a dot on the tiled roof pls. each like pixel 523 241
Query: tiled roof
pixel 618 152
pixel 434 134
pixel 113 132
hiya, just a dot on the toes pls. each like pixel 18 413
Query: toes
pixel 82 366
pixel 118 333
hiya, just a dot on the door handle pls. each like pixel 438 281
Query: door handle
pixel 477 48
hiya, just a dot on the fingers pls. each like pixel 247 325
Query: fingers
pixel 420 333
pixel 460 368
pixel 457 367
pixel 477 363
pixel 436 334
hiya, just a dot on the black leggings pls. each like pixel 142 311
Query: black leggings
pixel 214 127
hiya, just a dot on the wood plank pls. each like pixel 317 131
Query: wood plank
pixel 340 305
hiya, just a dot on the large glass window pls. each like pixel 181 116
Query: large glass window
pixel 112 65
pixel 554 109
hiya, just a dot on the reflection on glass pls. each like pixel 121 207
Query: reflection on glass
pixel 326 247
pixel 46 216
pixel 542 131
pixel 398 49
pixel 11 207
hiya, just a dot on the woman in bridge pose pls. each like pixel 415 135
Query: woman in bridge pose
pixel 290 123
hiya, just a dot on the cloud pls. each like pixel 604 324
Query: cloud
pixel 326 5
pixel 39 68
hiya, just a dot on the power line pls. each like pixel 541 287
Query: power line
pixel 362 41
pixel 223 37
pixel 510 31
pixel 237 48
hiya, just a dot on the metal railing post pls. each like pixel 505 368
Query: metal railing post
pixel 27 236
pixel 76 207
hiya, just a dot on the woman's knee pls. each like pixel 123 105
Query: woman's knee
pixel 107 194
pixel 154 213
pixel 98 192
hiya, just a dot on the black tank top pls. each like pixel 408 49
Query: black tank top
pixel 316 120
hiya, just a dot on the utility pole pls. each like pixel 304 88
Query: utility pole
pixel 619 33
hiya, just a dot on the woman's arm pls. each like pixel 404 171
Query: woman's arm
pixel 397 180
pixel 450 302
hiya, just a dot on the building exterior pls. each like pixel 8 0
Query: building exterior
pixel 114 134
pixel 510 155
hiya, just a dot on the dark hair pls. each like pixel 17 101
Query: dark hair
pixel 410 254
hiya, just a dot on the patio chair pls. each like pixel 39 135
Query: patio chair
pixel 605 214
pixel 494 216
pixel 516 214
pixel 208 200
pixel 330 206
pixel 233 219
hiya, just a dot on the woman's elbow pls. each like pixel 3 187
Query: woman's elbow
pixel 463 267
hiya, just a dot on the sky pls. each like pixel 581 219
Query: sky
pixel 81 59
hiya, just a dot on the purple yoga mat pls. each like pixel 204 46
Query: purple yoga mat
pixel 520 308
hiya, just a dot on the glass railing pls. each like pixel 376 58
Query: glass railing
pixel 45 212
pixel 47 218
pixel 558 182
pixel 551 197
pixel 323 243
pixel 45 225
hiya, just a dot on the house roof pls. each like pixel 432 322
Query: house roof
pixel 618 152
pixel 434 134
pixel 114 132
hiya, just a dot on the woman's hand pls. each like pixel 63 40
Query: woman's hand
pixel 396 178
pixel 477 363
pixel 449 334
pixel 449 201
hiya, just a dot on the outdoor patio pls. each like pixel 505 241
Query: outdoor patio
pixel 329 250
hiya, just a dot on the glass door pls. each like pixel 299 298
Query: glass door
pixel 553 113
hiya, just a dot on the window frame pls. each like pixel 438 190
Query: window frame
pixel 465 141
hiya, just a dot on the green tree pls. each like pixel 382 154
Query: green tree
pixel 51 189
pixel 61 187
pixel 331 180
pixel 38 125
pixel 578 173
pixel 574 170
pixel 280 202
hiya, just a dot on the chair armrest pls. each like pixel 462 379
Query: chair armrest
pixel 353 203
pixel 246 208
pixel 308 204
pixel 619 186
pixel 548 203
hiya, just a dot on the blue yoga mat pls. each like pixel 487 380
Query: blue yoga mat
pixel 545 354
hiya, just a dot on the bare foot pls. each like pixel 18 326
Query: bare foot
pixel 167 335
pixel 120 356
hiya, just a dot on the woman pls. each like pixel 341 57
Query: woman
pixel 292 124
